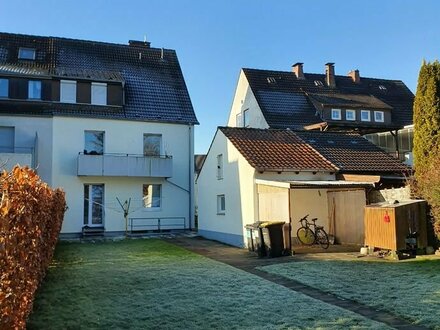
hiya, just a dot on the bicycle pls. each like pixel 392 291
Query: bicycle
pixel 308 237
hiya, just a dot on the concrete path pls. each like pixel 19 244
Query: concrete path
pixel 242 259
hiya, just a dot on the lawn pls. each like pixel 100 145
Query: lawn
pixel 148 283
pixel 409 289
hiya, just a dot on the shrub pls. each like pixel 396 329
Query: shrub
pixel 31 214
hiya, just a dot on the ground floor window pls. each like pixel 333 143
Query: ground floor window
pixel 221 204
pixel 152 196
pixel 93 204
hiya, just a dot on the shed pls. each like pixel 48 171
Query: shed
pixel 388 225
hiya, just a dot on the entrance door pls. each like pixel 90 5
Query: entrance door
pixel 346 216
pixel 94 205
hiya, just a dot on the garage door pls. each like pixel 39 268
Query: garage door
pixel 346 216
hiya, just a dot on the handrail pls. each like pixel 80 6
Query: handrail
pixel 157 223
pixel 125 155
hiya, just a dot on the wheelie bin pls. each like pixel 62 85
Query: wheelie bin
pixel 273 238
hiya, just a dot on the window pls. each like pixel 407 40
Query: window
pixel 246 118
pixel 219 167
pixel 152 144
pixel 152 196
pixel 365 115
pixel 34 89
pixel 26 54
pixel 350 114
pixel 378 116
pixel 239 120
pixel 94 142
pixel 221 204
pixel 318 83
pixel 7 139
pixel 336 114
pixel 4 87
pixel 68 91
pixel 94 205
pixel 99 93
pixel 382 88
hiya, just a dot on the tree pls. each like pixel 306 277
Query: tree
pixel 427 138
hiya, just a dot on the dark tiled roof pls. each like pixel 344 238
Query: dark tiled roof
pixel 352 153
pixel 284 102
pixel 351 101
pixel 276 150
pixel 154 85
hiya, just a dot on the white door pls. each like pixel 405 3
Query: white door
pixel 94 205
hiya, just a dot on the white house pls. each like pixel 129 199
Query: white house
pixel 293 99
pixel 105 122
pixel 252 175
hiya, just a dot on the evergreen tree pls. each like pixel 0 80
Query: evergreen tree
pixel 427 138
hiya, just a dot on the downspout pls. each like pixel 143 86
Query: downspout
pixel 190 175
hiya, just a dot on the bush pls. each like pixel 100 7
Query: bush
pixel 31 214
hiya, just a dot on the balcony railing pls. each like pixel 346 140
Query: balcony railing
pixel 9 157
pixel 125 165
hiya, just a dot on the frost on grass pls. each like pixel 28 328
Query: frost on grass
pixel 409 289
pixel 151 284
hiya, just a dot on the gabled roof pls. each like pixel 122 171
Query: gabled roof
pixel 283 150
pixel 352 153
pixel 276 150
pixel 286 101
pixel 155 89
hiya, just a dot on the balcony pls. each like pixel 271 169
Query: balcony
pixel 125 165
pixel 9 157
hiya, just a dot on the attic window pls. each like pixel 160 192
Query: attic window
pixel 331 142
pixel 312 141
pixel 271 80
pixel 26 54
pixel 319 83
pixel 382 88
pixel 353 142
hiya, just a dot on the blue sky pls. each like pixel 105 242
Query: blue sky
pixel 214 39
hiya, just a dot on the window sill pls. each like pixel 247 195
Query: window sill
pixel 221 213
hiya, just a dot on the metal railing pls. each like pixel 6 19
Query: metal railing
pixel 156 224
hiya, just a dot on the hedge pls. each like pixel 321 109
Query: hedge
pixel 31 214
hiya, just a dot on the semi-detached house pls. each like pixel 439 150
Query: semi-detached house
pixel 105 122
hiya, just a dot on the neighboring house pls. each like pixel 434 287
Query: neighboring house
pixel 327 102
pixel 254 175
pixel 198 163
pixel 104 122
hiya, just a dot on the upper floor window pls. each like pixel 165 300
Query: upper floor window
pixel 379 116
pixel 246 118
pixel 34 89
pixel 68 91
pixel 26 53
pixel 152 196
pixel 239 120
pixel 350 114
pixel 221 204
pixel 220 167
pixel 365 115
pixel 94 142
pixel 152 144
pixel 99 93
pixel 336 114
pixel 7 138
pixel 4 87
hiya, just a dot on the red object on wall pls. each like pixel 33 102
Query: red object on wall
pixel 386 217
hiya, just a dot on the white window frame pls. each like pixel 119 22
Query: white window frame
pixel 30 89
pixel 99 93
pixel 6 81
pixel 94 152
pixel 368 112
pixel 221 206
pixel 147 201
pixel 336 114
pixel 220 167
pixel 23 51
pixel 350 111
pixel 246 118
pixel 153 154
pixel 68 91
pixel 382 116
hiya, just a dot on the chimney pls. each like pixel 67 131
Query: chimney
pixel 297 69
pixel 330 74
pixel 138 43
pixel 354 75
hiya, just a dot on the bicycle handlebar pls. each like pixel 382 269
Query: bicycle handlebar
pixel 305 218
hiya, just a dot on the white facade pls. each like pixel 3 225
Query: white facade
pixel 245 101
pixel 244 202
pixel 61 139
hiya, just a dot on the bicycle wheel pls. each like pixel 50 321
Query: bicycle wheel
pixel 305 235
pixel 322 238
